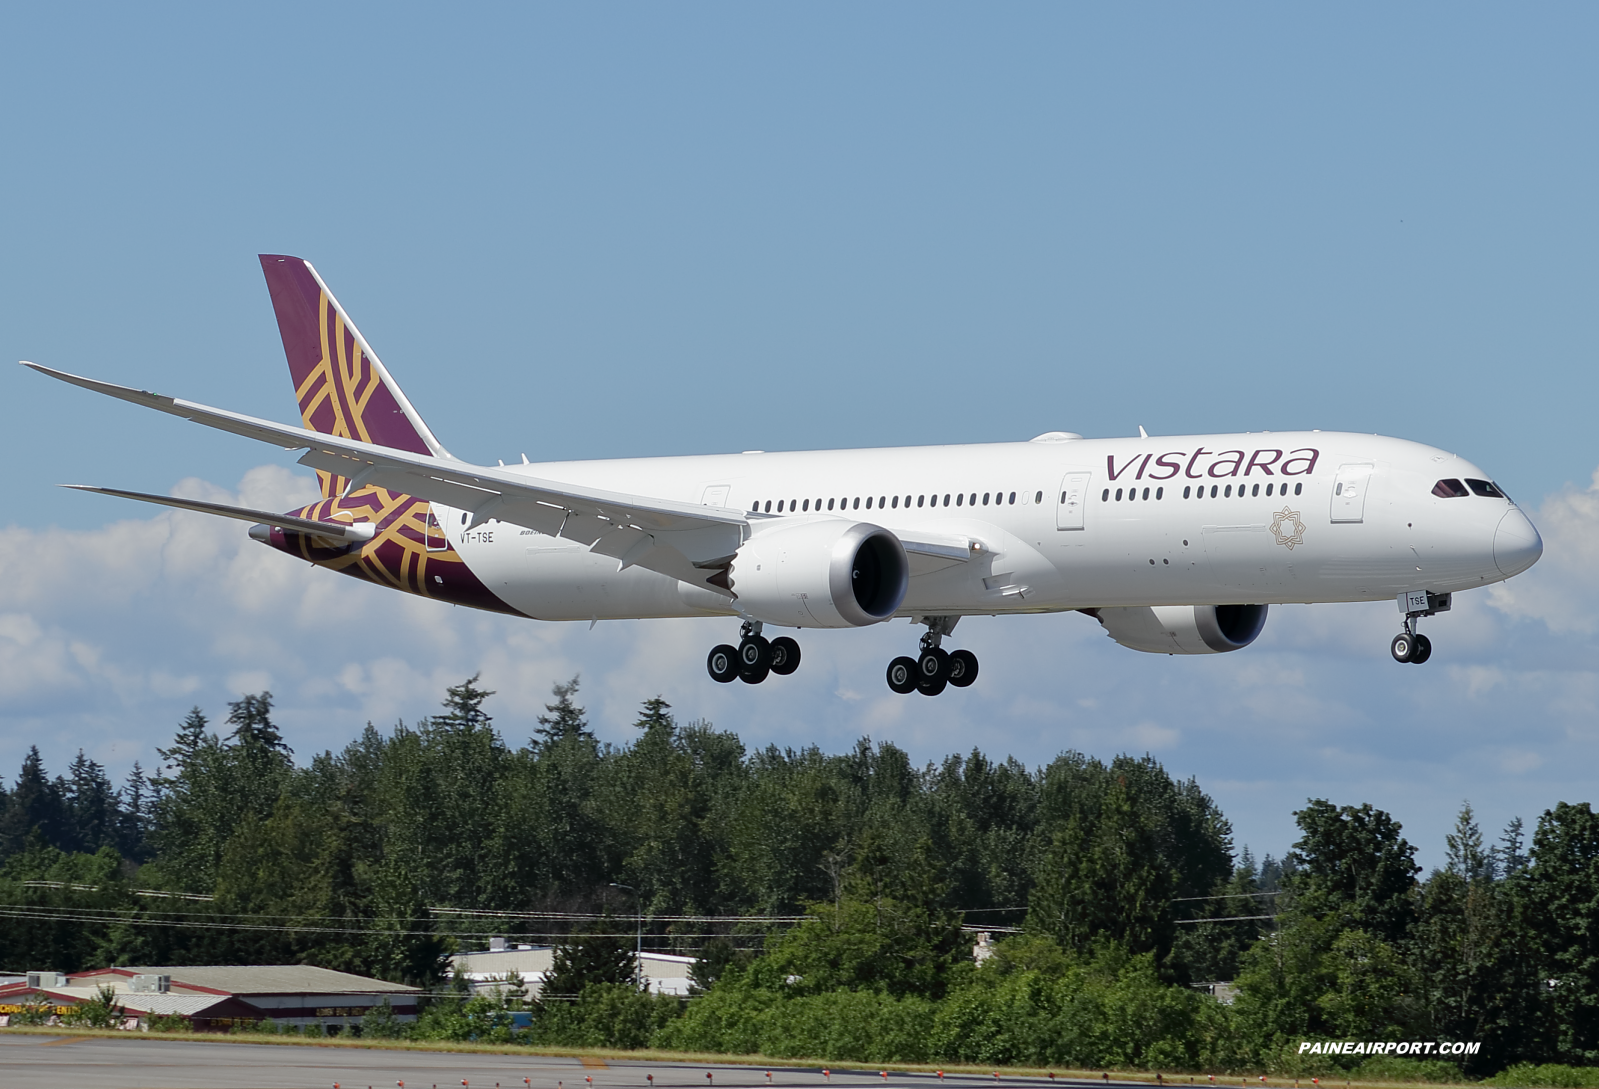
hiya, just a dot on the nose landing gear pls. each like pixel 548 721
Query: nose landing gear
pixel 1409 645
pixel 754 658
pixel 934 668
pixel 1414 649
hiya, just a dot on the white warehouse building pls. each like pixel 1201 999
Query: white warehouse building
pixel 487 969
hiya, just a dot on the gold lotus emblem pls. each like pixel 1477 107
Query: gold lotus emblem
pixel 1295 535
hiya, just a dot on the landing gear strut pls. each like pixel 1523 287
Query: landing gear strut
pixel 754 658
pixel 1410 645
pixel 931 671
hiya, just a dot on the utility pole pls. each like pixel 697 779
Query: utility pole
pixel 638 913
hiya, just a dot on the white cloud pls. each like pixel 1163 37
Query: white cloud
pixel 1478 679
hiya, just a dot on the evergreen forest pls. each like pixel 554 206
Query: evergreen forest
pixel 832 901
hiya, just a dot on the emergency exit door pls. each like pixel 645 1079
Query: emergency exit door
pixel 1073 497
pixel 1349 493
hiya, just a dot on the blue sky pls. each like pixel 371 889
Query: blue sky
pixel 589 231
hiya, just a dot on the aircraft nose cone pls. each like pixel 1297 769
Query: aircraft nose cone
pixel 1517 545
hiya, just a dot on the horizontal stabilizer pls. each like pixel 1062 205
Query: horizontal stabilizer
pixel 336 531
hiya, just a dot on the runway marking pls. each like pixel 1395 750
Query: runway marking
pixel 594 1064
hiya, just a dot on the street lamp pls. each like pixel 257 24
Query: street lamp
pixel 638 949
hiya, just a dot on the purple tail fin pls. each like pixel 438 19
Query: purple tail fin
pixel 342 387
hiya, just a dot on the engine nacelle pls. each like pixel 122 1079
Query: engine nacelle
pixel 1183 629
pixel 826 573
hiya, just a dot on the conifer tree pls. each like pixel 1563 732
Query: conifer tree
pixel 90 807
pixel 566 720
pixel 33 808
pixel 133 815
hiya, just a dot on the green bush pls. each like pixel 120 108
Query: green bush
pixel 1043 1010
pixel 617 1015
pixel 101 1011
pixel 36 1014
pixel 1547 1076
pixel 474 1019
pixel 380 1023
pixel 1399 1068
pixel 169 1022
pixel 1111 1012
pixel 841 1026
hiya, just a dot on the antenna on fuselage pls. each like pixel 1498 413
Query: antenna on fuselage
pixel 1142 433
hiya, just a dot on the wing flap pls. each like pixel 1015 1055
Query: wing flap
pixel 931 554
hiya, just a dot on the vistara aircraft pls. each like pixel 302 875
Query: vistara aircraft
pixel 1175 545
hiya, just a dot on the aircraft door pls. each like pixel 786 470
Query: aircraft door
pixel 716 495
pixel 434 534
pixel 1073 497
pixel 1349 493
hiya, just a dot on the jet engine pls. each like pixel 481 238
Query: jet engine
pixel 1183 629
pixel 826 573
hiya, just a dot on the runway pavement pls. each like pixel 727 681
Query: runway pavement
pixel 68 1062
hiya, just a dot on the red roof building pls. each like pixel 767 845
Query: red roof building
pixel 217 997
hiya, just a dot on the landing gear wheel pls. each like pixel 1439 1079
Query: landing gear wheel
pixel 932 671
pixel 1422 650
pixel 962 668
pixel 754 659
pixel 902 675
pixel 722 663
pixel 1403 648
pixel 785 656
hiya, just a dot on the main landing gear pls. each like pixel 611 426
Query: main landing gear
pixel 754 658
pixel 1410 645
pixel 934 668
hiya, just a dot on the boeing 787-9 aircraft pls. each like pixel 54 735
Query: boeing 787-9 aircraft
pixel 1176 545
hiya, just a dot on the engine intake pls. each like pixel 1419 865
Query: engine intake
pixel 825 573
pixel 1183 629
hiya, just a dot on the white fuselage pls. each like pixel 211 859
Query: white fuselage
pixel 1059 523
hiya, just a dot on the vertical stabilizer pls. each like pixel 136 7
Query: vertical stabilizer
pixel 342 387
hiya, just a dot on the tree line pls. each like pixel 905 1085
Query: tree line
pixel 1114 886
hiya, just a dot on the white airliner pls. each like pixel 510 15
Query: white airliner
pixel 1176 545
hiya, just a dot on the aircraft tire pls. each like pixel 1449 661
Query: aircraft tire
pixel 932 671
pixel 722 663
pixel 1422 651
pixel 1402 648
pixel 754 659
pixel 962 668
pixel 902 675
pixel 785 655
pixel 754 652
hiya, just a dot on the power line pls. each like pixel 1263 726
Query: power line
pixel 132 920
pixel 1228 896
pixel 75 887
pixel 579 916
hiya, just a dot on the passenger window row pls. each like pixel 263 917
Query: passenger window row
pixel 960 499
pixel 1449 488
pixel 1132 493
pixel 1189 491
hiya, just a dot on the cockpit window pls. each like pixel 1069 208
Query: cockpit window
pixel 1449 489
pixel 1485 488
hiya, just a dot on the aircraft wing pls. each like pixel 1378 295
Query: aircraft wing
pixel 333 531
pixel 688 542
